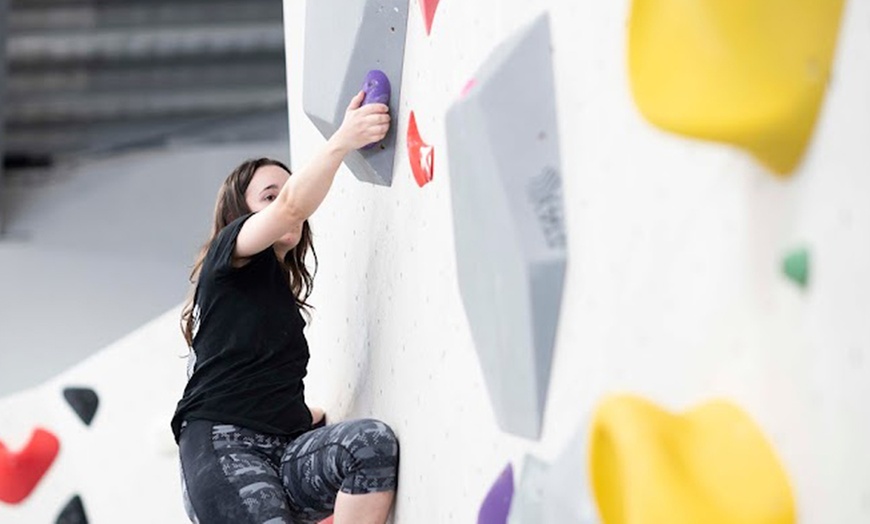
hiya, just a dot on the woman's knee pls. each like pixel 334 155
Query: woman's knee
pixel 374 449
pixel 375 435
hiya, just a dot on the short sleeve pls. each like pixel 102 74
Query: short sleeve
pixel 220 254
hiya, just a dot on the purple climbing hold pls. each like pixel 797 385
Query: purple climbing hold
pixel 377 91
pixel 497 504
pixel 376 87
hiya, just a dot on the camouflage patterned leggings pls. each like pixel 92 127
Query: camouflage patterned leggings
pixel 233 474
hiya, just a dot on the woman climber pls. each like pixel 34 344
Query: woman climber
pixel 251 450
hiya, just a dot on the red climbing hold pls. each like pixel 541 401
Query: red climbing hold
pixel 421 154
pixel 428 7
pixel 467 88
pixel 21 472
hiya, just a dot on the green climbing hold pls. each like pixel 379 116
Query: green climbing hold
pixel 796 266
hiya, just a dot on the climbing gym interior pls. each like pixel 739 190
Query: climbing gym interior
pixel 608 266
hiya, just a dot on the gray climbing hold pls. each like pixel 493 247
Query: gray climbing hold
pixel 506 186
pixel 556 493
pixel 526 507
pixel 567 496
pixel 84 402
pixel 73 512
pixel 343 42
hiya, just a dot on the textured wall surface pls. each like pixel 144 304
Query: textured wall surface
pixel 673 289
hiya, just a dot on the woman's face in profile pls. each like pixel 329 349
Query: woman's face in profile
pixel 263 190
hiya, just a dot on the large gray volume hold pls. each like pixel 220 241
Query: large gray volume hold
pixel 506 186
pixel 344 41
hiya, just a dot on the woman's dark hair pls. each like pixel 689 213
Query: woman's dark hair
pixel 231 205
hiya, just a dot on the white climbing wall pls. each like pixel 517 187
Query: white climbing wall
pixel 124 464
pixel 673 287
pixel 673 291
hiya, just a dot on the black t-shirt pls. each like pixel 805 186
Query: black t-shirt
pixel 249 352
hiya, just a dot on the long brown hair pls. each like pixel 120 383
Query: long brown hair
pixel 231 205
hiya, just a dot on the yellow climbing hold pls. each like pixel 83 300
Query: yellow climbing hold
pixel 710 464
pixel 751 73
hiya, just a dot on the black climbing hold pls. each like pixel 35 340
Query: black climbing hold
pixel 73 512
pixel 84 402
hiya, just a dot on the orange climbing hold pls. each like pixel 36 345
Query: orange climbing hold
pixel 752 73
pixel 421 154
pixel 428 7
pixel 21 472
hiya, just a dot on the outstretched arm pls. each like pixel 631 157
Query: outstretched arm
pixel 305 190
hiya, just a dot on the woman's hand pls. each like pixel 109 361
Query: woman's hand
pixel 317 416
pixel 362 125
